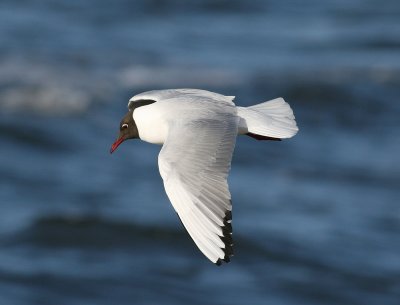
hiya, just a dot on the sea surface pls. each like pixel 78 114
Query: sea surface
pixel 316 218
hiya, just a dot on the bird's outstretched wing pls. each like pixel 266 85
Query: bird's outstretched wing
pixel 194 164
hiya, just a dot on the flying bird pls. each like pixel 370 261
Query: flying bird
pixel 197 130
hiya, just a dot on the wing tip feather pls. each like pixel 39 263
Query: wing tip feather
pixel 226 239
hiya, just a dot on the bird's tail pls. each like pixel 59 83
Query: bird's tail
pixel 271 120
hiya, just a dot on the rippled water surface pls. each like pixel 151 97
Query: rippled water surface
pixel 316 217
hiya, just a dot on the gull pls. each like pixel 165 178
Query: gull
pixel 197 130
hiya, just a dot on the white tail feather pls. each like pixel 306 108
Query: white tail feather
pixel 273 119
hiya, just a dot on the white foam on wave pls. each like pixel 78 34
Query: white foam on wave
pixel 139 76
pixel 46 99
pixel 48 90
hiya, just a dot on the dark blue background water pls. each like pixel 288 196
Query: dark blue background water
pixel 316 217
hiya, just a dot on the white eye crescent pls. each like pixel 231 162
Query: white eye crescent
pixel 124 126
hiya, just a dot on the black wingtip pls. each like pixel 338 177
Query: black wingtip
pixel 227 239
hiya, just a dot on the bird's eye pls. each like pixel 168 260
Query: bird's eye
pixel 124 126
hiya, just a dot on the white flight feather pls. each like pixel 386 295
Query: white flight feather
pixel 194 163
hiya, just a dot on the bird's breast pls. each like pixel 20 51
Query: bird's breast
pixel 151 124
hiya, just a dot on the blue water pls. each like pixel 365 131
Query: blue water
pixel 316 217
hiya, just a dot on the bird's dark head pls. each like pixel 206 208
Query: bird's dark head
pixel 127 130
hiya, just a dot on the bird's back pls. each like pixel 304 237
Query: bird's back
pixel 177 106
pixel 188 94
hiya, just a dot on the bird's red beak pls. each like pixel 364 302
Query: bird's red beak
pixel 116 144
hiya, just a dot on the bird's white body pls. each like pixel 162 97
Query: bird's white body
pixel 153 120
pixel 198 131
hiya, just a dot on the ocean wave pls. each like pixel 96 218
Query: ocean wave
pixel 45 89
pixel 45 99
pixel 93 231
pixel 137 76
